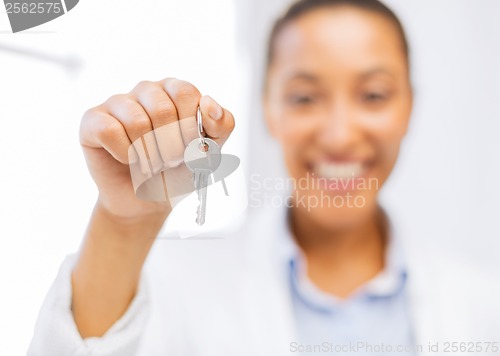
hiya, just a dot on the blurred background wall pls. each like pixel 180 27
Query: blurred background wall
pixel 445 189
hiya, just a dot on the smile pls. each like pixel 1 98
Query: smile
pixel 340 170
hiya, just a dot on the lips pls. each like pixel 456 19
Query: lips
pixel 340 170
pixel 342 176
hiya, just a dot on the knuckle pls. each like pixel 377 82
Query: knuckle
pixel 140 124
pixel 117 99
pixel 182 90
pixel 137 120
pixel 143 85
pixel 90 113
pixel 89 118
pixel 165 109
pixel 111 131
pixel 132 109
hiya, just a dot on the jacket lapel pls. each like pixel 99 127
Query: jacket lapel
pixel 269 311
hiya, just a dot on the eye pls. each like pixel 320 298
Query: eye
pixel 300 99
pixel 375 97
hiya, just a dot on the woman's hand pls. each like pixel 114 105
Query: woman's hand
pixel 108 131
pixel 122 228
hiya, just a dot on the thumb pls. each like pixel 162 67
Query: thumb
pixel 218 123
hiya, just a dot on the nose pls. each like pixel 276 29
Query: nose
pixel 339 132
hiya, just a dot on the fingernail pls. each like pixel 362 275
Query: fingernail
pixel 215 111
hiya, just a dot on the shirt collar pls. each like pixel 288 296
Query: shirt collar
pixel 387 283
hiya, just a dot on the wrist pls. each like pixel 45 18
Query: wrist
pixel 145 220
pixel 113 252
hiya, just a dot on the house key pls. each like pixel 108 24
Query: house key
pixel 202 156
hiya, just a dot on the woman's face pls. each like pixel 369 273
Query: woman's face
pixel 338 99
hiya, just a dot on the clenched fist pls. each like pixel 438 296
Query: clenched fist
pixel 150 126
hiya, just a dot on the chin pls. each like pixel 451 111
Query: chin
pixel 336 211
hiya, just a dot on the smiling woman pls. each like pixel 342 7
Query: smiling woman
pixel 337 99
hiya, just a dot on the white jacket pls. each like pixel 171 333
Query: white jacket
pixel 229 296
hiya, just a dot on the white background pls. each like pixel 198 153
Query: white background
pixel 445 187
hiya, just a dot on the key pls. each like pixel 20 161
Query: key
pixel 202 156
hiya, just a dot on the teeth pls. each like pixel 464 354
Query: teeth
pixel 339 170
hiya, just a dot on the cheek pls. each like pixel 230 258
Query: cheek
pixel 296 141
pixel 296 134
pixel 386 133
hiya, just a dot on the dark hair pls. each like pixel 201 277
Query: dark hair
pixel 302 7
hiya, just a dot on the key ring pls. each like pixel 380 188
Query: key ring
pixel 200 128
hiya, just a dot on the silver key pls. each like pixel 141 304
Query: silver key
pixel 202 160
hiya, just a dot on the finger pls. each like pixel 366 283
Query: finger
pixel 156 102
pixel 170 144
pixel 101 130
pixel 139 129
pixel 189 129
pixel 186 98
pixel 218 123
pixel 163 115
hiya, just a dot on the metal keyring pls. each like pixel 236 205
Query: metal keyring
pixel 200 127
